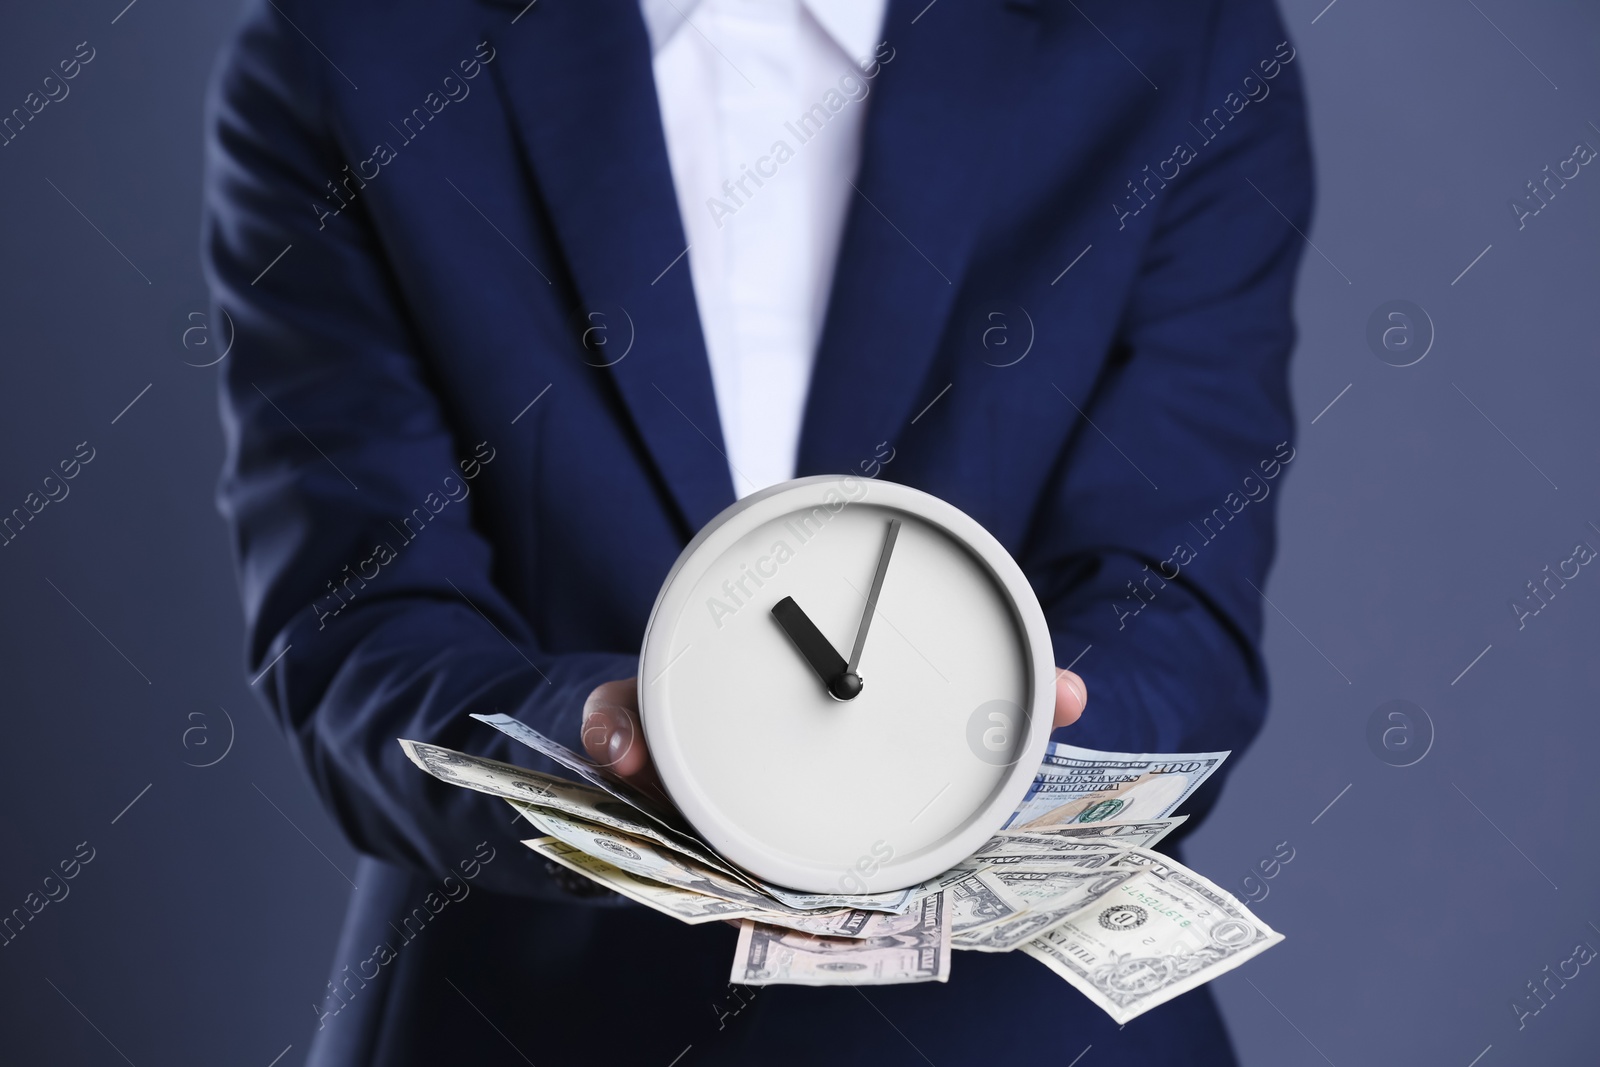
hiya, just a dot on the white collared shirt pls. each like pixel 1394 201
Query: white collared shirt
pixel 762 103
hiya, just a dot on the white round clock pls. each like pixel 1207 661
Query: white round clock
pixel 846 685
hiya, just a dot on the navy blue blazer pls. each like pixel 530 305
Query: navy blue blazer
pixel 470 424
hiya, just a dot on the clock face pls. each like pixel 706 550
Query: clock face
pixel 825 783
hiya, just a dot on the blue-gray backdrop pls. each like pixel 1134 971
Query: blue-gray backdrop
pixel 1428 859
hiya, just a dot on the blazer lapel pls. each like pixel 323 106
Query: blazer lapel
pixel 936 117
pixel 581 91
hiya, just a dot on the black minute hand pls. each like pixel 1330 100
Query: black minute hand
pixel 810 642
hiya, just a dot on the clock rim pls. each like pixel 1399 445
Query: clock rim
pixel 1026 612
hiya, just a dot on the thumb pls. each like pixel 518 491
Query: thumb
pixel 1072 696
pixel 610 730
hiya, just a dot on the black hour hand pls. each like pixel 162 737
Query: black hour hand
pixel 811 644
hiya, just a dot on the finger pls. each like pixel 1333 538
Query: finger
pixel 1072 696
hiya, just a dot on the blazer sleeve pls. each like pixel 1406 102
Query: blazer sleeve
pixel 1155 537
pixel 334 437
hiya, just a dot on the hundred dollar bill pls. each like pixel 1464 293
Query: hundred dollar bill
pixel 978 900
pixel 1045 839
pixel 694 908
pixel 914 947
pixel 1160 933
pixel 1053 896
pixel 1080 785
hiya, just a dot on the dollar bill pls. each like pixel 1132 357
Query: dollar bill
pixel 1010 842
pixel 528 788
pixel 1139 834
pixel 978 900
pixel 940 882
pixel 523 786
pixel 1004 852
pixel 1070 880
pixel 846 922
pixel 895 902
pixel 1080 785
pixel 501 779
pixel 914 947
pixel 694 908
pixel 653 806
pixel 1160 933
pixel 682 904
pixel 1053 896
pixel 615 820
pixel 663 815
pixel 645 859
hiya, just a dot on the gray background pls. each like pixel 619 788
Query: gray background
pixel 1416 906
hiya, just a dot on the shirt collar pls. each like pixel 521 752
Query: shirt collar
pixel 852 24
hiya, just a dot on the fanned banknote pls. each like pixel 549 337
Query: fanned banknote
pixel 651 804
pixel 1162 932
pixel 978 900
pixel 691 907
pixel 643 858
pixel 1080 785
pixel 522 786
pixel 1017 844
pixel 1139 834
pixel 500 779
pixel 941 882
pixel 914 947
pixel 895 901
pixel 1079 855
pixel 1070 880
pixel 1052 894
pixel 669 820
pixel 685 905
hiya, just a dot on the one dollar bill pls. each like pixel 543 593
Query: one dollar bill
pixel 1052 895
pixel 1162 932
